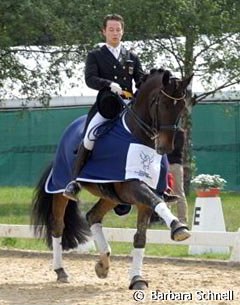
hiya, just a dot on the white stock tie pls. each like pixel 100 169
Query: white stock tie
pixel 115 52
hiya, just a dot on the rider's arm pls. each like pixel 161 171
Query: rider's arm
pixel 138 71
pixel 92 78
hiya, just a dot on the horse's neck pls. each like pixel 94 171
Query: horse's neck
pixel 140 110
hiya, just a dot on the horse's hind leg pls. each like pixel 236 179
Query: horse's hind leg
pixel 137 282
pixel 58 210
pixel 94 217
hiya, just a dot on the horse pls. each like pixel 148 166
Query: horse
pixel 150 122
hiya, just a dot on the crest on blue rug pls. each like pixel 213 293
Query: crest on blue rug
pixel 143 163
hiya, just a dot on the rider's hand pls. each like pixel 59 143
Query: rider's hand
pixel 115 88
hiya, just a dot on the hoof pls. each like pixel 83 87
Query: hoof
pixel 138 283
pixel 62 276
pixel 179 231
pixel 102 266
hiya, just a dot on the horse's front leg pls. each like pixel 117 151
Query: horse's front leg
pixel 137 282
pixel 94 217
pixel 58 210
pixel 138 192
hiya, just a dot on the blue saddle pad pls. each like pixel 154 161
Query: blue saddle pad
pixel 117 156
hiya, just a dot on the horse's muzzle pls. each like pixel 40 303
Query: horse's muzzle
pixel 164 144
pixel 163 150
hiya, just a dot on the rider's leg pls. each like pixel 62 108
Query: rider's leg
pixel 82 155
pixel 107 107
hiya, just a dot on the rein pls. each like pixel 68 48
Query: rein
pixel 145 127
pixel 151 132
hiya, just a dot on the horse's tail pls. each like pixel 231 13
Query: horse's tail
pixel 76 230
pixel 42 209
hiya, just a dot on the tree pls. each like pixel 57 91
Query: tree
pixel 200 37
pixel 41 43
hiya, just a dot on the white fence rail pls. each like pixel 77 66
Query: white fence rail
pixel 203 238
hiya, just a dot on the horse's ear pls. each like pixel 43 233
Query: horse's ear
pixel 187 81
pixel 153 70
pixel 141 81
pixel 166 77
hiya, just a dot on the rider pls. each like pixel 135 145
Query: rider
pixel 113 68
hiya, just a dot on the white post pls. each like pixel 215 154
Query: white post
pixel 208 216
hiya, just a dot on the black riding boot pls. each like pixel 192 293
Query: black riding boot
pixel 74 187
pixel 169 198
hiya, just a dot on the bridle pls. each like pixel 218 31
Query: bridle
pixel 156 122
pixel 172 97
pixel 152 132
pixel 156 100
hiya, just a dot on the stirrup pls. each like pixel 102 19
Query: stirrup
pixel 71 190
pixel 169 198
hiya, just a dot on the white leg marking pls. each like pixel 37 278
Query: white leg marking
pixel 99 238
pixel 137 260
pixel 163 211
pixel 57 252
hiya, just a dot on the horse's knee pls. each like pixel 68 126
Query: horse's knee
pixel 139 240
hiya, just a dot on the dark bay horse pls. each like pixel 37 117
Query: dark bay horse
pixel 151 122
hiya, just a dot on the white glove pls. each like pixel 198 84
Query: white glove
pixel 115 88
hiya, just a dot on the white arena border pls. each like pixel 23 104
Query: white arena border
pixel 200 238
